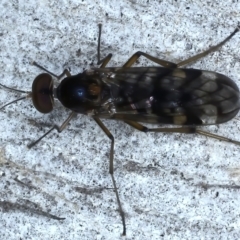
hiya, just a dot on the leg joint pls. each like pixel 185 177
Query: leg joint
pixel 145 129
pixel 111 137
pixel 192 130
pixel 139 53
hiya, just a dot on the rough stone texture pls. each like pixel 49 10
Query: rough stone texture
pixel 171 186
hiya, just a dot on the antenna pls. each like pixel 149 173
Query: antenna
pixel 29 94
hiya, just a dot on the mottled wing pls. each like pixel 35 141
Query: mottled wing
pixel 171 96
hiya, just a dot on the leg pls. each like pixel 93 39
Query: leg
pixel 167 64
pixel 210 50
pixel 103 63
pixel 105 60
pixel 207 134
pixel 136 55
pixel 131 60
pixel 142 128
pixel 59 129
pixel 65 71
pixel 110 136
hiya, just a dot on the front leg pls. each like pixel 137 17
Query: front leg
pixel 105 60
pixel 58 128
pixel 65 71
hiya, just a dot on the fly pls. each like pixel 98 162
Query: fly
pixel 161 95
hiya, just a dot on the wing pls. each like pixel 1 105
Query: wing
pixel 170 96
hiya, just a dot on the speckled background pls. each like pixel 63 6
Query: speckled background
pixel 160 177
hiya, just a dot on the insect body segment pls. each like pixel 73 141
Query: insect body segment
pixel 165 95
pixel 79 93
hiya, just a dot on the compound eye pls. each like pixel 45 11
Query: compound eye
pixel 42 93
pixel 81 92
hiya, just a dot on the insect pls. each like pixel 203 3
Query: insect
pixel 167 95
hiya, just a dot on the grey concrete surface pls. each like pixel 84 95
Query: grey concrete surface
pixel 160 177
